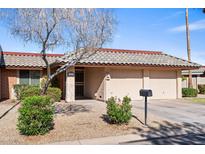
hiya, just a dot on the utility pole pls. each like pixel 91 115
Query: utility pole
pixel 190 85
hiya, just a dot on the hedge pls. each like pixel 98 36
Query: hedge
pixel 54 93
pixel 36 115
pixel 30 91
pixel 18 88
pixel 189 92
pixel 24 91
pixel 201 88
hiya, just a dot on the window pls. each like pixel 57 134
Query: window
pixel 24 77
pixel 29 77
pixel 35 77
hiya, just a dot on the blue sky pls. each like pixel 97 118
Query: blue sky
pixel 142 29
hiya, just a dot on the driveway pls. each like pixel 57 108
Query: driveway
pixel 188 116
pixel 178 110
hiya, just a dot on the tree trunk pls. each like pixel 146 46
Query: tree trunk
pixel 57 72
pixel 47 65
pixel 190 85
pixel 45 87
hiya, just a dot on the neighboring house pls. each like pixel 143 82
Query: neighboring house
pixel 198 77
pixel 22 68
pixel 108 72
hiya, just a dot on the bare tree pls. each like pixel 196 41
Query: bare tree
pixel 190 85
pixel 83 30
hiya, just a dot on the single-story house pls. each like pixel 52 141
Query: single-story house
pixel 198 77
pixel 106 73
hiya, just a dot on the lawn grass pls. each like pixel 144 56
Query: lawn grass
pixel 197 100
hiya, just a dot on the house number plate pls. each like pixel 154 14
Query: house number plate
pixel 71 74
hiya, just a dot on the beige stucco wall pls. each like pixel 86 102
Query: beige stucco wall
pixel 201 80
pixel 94 82
pixel 125 82
pixel 70 85
pixel 179 83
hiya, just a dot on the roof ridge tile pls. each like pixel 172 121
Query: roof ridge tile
pixel 130 51
pixel 184 60
pixel 29 54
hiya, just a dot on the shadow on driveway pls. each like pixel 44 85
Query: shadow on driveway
pixel 172 133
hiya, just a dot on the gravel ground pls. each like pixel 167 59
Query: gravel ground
pixel 80 120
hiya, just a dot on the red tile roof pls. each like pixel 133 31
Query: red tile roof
pixel 102 56
pixel 22 59
pixel 29 54
pixel 107 56
pixel 102 49
pixel 130 51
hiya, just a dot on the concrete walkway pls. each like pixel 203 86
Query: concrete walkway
pixel 6 106
pixel 111 140
pixel 201 96
pixel 134 139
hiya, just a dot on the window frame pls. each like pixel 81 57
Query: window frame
pixel 24 76
pixel 30 76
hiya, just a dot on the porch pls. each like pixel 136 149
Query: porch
pixel 85 83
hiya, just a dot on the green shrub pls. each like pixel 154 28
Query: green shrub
pixel 119 113
pixel 201 88
pixel 43 81
pixel 30 91
pixel 54 94
pixel 36 115
pixel 23 91
pixel 189 92
pixel 18 88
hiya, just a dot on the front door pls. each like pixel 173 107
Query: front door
pixel 79 83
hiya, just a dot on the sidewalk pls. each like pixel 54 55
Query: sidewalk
pixel 180 139
pixel 111 140
pixel 201 96
pixel 6 106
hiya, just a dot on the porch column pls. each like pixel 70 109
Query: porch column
pixel 107 84
pixel 146 79
pixel 197 81
pixel 70 85
pixel 179 84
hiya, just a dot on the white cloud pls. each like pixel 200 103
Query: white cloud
pixel 174 15
pixel 168 17
pixel 198 56
pixel 197 25
pixel 117 36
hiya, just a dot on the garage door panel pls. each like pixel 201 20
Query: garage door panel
pixel 126 83
pixel 129 74
pixel 162 75
pixel 163 84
